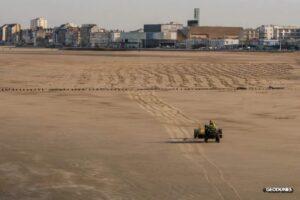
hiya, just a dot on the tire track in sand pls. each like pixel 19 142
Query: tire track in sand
pixel 175 123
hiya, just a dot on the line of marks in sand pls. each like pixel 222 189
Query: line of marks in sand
pixel 174 120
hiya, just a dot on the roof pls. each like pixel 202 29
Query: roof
pixel 215 32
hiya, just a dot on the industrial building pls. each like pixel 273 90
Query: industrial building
pixel 223 43
pixel 159 35
pixel 196 21
pixel 133 39
pixel 195 37
pixel 209 32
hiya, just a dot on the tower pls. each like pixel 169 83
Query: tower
pixel 197 14
pixel 196 20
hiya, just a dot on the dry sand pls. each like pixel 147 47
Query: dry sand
pixel 104 144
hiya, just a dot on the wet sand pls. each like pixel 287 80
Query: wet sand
pixel 108 144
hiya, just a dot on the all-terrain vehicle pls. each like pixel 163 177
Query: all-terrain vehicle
pixel 208 132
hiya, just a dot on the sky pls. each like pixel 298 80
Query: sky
pixel 132 14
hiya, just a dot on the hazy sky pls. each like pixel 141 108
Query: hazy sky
pixel 132 14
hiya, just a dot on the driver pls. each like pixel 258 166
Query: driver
pixel 212 125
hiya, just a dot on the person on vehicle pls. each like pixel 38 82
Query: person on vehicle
pixel 212 126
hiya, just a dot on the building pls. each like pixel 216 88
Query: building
pixel 269 43
pixel 158 35
pixel 168 27
pixel 248 35
pixel 283 36
pixel 194 37
pixel 39 22
pixel 285 32
pixel 115 39
pixel 292 39
pixel 43 37
pixel 72 37
pixel 266 32
pixel 115 36
pixel 99 37
pixel 223 43
pixel 196 20
pixel 274 32
pixel 197 14
pixel 59 34
pixel 3 31
pixel 295 34
pixel 133 39
pixel 27 37
pixel 11 34
pixel 210 32
pixel 85 32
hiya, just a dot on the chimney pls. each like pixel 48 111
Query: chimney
pixel 197 14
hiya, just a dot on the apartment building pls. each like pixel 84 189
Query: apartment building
pixel 43 37
pixel 39 22
pixel 72 37
pixel 85 32
pixel 10 34
pixel 3 31
pixel 266 32
pixel 99 37
pixel 248 36
pixel 59 34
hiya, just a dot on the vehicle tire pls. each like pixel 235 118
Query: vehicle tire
pixel 196 133
pixel 206 139
pixel 218 139
pixel 221 133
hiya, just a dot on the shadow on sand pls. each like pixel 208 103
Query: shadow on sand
pixel 186 141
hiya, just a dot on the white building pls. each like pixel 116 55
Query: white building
pixel 99 37
pixel 266 32
pixel 274 32
pixel 284 32
pixel 38 23
pixel 115 36
pixel 171 27
pixel 164 36
pixel 223 43
pixel 269 43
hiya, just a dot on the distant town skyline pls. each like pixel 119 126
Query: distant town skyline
pixel 132 14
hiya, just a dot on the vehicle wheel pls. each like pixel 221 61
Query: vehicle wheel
pixel 206 139
pixel 218 139
pixel 221 133
pixel 196 134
